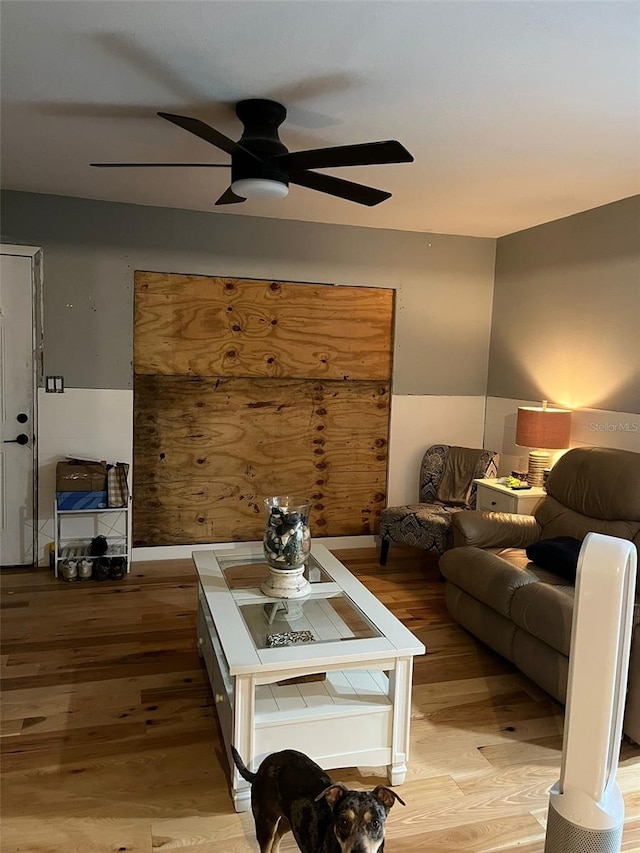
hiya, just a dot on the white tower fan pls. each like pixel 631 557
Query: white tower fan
pixel 586 809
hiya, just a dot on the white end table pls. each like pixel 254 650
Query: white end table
pixel 495 497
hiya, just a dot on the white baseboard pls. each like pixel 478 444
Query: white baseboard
pixel 181 552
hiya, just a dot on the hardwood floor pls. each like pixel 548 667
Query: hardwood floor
pixel 110 742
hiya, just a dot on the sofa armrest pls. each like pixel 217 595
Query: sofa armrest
pixel 632 713
pixel 494 529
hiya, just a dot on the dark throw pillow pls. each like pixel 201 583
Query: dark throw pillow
pixel 558 555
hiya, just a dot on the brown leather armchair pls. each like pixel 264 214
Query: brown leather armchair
pixel 524 612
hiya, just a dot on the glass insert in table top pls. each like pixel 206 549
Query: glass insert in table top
pixel 316 619
pixel 245 572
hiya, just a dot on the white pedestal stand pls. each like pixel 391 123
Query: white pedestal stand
pixel 286 583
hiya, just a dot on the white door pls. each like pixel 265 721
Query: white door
pixel 17 517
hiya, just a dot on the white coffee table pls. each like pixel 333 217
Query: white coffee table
pixel 358 716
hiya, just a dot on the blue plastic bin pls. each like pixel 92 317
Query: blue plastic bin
pixel 81 500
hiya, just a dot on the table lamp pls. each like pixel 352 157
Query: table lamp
pixel 542 429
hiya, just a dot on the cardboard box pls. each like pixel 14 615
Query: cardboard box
pixel 81 476
pixel 82 500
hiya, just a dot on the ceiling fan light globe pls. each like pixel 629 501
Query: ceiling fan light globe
pixel 259 188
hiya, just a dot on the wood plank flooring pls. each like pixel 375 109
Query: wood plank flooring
pixel 110 740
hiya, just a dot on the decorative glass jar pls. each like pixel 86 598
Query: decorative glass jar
pixel 287 538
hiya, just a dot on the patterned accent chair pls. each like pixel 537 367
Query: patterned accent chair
pixel 427 524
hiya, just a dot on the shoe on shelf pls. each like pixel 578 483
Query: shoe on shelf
pixel 102 569
pixel 118 568
pixel 85 569
pixel 70 570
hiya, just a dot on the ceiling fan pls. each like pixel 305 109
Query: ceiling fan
pixel 262 167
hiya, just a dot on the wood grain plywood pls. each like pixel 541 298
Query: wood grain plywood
pixel 207 451
pixel 204 326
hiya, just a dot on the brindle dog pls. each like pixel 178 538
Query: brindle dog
pixel 290 792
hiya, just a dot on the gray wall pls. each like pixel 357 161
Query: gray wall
pixel 92 248
pixel 566 311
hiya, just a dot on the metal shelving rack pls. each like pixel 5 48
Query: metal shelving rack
pixel 114 523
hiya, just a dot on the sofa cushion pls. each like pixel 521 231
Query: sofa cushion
pixel 558 555
pixel 545 610
pixel 598 482
pixel 541 663
pixel 483 622
pixel 492 576
pixel 555 519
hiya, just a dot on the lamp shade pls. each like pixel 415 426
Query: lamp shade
pixel 542 427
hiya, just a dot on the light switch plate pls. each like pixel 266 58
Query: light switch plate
pixel 54 384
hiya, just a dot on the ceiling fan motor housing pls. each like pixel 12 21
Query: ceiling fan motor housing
pixel 261 119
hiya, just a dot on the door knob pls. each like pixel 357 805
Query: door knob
pixel 22 418
pixel 19 439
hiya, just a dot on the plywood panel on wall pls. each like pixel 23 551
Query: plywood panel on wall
pixel 296 399
pixel 209 451
pixel 201 326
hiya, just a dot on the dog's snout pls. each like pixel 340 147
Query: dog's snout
pixel 368 846
pixel 362 844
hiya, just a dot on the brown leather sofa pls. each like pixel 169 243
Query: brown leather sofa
pixel 524 612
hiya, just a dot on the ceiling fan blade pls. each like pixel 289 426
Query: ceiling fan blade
pixel 342 189
pixel 365 154
pixel 161 165
pixel 229 197
pixel 209 134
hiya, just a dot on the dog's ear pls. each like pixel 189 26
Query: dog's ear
pixel 387 796
pixel 333 794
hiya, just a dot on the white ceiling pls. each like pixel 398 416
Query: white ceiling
pixel 517 113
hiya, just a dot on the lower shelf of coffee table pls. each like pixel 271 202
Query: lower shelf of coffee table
pixel 344 721
pixel 305 717
pixel 343 690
